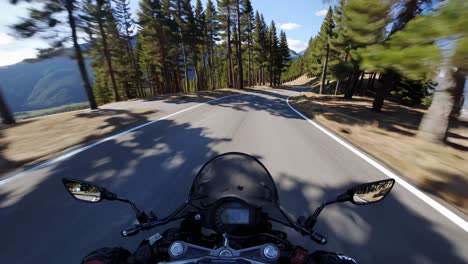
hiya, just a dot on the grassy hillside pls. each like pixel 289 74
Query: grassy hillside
pixel 41 84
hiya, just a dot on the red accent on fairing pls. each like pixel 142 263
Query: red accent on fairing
pixel 299 256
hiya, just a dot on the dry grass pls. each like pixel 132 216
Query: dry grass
pixel 301 81
pixel 37 139
pixel 390 136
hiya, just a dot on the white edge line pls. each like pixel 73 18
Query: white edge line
pixel 428 200
pixel 99 142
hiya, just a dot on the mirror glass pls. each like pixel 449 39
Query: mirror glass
pixel 83 191
pixel 371 192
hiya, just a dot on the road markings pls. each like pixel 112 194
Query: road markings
pixel 99 142
pixel 428 200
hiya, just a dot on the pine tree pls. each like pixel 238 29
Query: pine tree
pixel 124 67
pixel 149 56
pixel 340 45
pixel 225 11
pixel 326 34
pixel 249 27
pixel 126 26
pixel 240 70
pixel 260 47
pixel 212 29
pixel 200 21
pixel 284 52
pixel 273 52
pixel 41 21
pixel 96 12
pixel 364 23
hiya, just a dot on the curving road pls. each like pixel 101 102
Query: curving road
pixel 154 166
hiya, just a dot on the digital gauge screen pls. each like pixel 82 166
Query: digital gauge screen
pixel 235 216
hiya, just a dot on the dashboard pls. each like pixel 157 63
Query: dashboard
pixel 233 216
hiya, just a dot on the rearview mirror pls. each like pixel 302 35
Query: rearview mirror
pixel 370 192
pixel 84 191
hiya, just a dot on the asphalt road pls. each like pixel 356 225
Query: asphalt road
pixel 155 165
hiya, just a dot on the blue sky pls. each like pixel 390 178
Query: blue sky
pixel 300 19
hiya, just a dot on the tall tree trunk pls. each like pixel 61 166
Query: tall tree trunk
pixel 184 57
pixel 197 87
pixel 370 82
pixel 179 79
pixel 240 70
pixel 434 125
pixel 271 61
pixel 338 82
pixel 229 48
pixel 131 55
pixel 250 71
pixel 263 76
pixel 79 57
pixel 458 92
pixel 5 112
pixel 337 86
pixel 210 66
pixel 107 55
pixel 363 74
pixel 324 70
pixel 349 91
pixel 382 91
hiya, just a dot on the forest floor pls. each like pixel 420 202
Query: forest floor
pixel 441 170
pixel 37 139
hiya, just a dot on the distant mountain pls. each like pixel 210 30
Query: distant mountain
pixel 42 83
pixel 293 55
pixel 301 53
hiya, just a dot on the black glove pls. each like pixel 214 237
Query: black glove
pixel 324 257
pixel 116 255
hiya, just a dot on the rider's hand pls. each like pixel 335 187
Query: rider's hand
pixel 143 255
pixel 324 257
pixel 114 255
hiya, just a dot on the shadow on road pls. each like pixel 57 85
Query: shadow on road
pixel 385 232
pixel 272 101
pixel 154 167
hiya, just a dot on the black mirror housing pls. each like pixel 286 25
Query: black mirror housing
pixel 84 191
pixel 368 193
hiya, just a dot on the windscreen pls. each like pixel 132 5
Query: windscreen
pixel 235 175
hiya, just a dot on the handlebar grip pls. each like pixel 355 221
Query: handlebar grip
pixel 318 238
pixel 130 231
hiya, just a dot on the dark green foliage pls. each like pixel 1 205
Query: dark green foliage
pixel 295 69
pixel 411 93
pixel 342 70
pixel 260 48
pixel 283 50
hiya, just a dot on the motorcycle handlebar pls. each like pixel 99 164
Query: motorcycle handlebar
pixel 318 238
pixel 130 231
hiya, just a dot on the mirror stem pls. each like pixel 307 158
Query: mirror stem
pixel 310 222
pixel 141 216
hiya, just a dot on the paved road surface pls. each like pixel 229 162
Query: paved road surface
pixel 40 223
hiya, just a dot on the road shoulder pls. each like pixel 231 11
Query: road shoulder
pixel 422 164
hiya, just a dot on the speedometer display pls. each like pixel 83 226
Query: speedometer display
pixel 235 216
